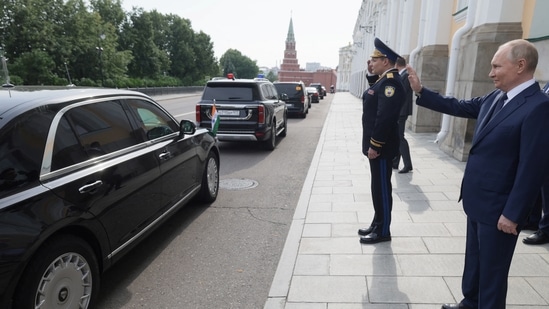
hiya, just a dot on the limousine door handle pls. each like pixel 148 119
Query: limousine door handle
pixel 89 188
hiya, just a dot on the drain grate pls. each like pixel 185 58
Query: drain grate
pixel 237 184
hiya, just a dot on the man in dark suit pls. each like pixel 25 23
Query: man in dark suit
pixel 541 210
pixel 405 111
pixel 381 107
pixel 506 167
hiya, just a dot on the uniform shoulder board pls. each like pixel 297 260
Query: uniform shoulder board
pixel 390 75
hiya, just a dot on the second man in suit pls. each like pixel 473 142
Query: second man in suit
pixel 405 111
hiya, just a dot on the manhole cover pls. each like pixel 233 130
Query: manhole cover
pixel 237 184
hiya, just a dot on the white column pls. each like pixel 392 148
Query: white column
pixel 437 22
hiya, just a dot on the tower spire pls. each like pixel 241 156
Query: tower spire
pixel 291 36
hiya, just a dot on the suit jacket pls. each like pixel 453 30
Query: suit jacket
pixel 407 105
pixel 381 107
pixel 508 158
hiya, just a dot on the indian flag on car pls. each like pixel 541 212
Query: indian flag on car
pixel 215 119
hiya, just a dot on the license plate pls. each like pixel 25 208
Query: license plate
pixel 224 112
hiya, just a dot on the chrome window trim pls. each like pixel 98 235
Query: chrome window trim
pixel 45 169
pixel 10 200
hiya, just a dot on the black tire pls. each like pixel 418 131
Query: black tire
pixel 210 180
pixel 64 273
pixel 270 144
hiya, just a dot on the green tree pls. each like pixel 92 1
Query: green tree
pixel 100 44
pixel 182 55
pixel 205 61
pixel 272 76
pixel 111 12
pixel 148 59
pixel 35 68
pixel 232 61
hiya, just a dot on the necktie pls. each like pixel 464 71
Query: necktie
pixel 499 105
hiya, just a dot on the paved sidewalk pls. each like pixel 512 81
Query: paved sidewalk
pixel 323 265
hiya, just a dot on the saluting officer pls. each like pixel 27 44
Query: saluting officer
pixel 381 105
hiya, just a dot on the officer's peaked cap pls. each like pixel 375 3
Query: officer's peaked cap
pixel 382 50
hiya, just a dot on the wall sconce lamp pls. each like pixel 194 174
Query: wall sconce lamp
pixel 368 29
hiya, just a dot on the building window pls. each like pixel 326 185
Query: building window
pixel 461 10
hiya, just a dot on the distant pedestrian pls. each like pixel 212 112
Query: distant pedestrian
pixel 405 111
pixel 505 170
pixel 380 109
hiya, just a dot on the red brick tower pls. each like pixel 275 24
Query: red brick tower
pixel 289 63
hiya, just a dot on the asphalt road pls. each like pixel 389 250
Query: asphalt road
pixel 224 255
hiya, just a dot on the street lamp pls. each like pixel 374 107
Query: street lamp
pixel 100 52
pixel 68 75
pixel 7 84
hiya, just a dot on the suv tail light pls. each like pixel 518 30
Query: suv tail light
pixel 197 113
pixel 261 114
pixel 302 99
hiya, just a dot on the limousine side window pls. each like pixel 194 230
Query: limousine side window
pixel 152 120
pixel 22 149
pixel 91 130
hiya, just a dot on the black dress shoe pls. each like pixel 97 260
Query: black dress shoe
pixel 395 166
pixel 365 231
pixel 538 238
pixel 405 170
pixel 454 306
pixel 374 238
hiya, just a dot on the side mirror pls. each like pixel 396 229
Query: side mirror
pixel 186 127
pixel 159 131
pixel 284 97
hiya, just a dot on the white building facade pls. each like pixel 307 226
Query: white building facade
pixel 450 43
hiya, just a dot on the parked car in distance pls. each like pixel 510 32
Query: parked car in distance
pixel 313 94
pixel 247 109
pixel 321 92
pixel 295 96
pixel 85 174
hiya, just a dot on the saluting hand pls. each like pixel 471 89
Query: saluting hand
pixel 415 83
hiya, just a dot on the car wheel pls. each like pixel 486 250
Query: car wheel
pixel 270 144
pixel 210 180
pixel 63 274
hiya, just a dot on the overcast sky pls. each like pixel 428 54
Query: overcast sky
pixel 258 28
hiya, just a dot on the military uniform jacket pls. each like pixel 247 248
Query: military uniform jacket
pixel 381 105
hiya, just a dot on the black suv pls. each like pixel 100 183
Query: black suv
pixel 320 88
pixel 295 95
pixel 84 175
pixel 247 110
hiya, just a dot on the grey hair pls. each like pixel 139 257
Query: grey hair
pixel 522 49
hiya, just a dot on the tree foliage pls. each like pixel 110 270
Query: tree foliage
pixel 241 66
pixel 48 41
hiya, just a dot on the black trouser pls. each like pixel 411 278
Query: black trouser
pixel 404 148
pixel 382 198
